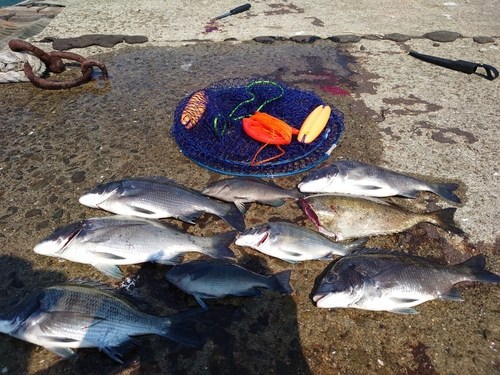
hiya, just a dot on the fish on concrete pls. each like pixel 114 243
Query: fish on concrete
pixel 358 178
pixel 243 190
pixel 294 243
pixel 205 279
pixel 156 197
pixel 383 280
pixel 350 216
pixel 109 241
pixel 81 314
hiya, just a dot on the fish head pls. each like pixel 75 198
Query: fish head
pixel 17 314
pixel 59 240
pixel 99 194
pixel 341 287
pixel 254 237
pixel 215 189
pixel 320 180
pixel 180 275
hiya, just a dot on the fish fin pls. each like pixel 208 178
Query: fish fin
pixel 252 292
pixel 141 210
pixel 452 295
pixel 475 266
pixel 201 302
pixel 355 245
pixel 179 327
pixel 200 272
pixel 61 340
pixel 241 207
pixel 108 269
pixel 404 310
pixel 444 219
pixel 291 260
pixel 445 190
pixel 121 350
pixel 370 187
pixel 104 255
pixel 282 282
pixel 385 279
pixel 219 249
pixel 190 218
pixel 171 260
pixel 273 202
pixel 54 318
pixel 63 352
pixel 328 256
pixel 410 194
pixel 295 193
pixel 233 217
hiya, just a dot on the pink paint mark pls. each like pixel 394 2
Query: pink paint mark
pixel 334 90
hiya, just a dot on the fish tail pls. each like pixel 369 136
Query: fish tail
pixel 444 219
pixel 233 217
pixel 445 191
pixel 475 267
pixel 218 247
pixel 282 282
pixel 356 245
pixel 179 327
pixel 295 193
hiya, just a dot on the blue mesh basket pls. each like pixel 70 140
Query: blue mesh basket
pixel 217 140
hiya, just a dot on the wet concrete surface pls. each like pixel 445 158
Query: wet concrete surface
pixel 56 145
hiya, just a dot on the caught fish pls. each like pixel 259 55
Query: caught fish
pixel 157 198
pixel 293 243
pixel 216 280
pixel 249 189
pixel 106 242
pixel 357 178
pixel 383 280
pixel 86 315
pixel 349 216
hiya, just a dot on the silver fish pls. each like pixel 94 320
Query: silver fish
pixel 105 242
pixel 156 198
pixel 383 280
pixel 350 216
pixel 355 177
pixel 249 189
pixel 204 279
pixel 294 243
pixel 84 315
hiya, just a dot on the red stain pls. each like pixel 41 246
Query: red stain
pixel 209 29
pixel 335 90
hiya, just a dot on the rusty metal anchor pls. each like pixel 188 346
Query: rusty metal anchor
pixel 54 64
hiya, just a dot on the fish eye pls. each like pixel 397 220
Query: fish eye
pixel 331 278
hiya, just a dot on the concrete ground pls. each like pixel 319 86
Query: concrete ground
pixel 400 113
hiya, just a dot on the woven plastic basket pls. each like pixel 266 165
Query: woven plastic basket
pixel 208 127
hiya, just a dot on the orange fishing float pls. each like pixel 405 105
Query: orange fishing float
pixel 269 130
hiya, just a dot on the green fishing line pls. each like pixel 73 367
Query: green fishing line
pixel 251 99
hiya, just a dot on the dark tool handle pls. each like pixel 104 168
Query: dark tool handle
pixel 240 9
pixel 459 65
pixel 491 72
